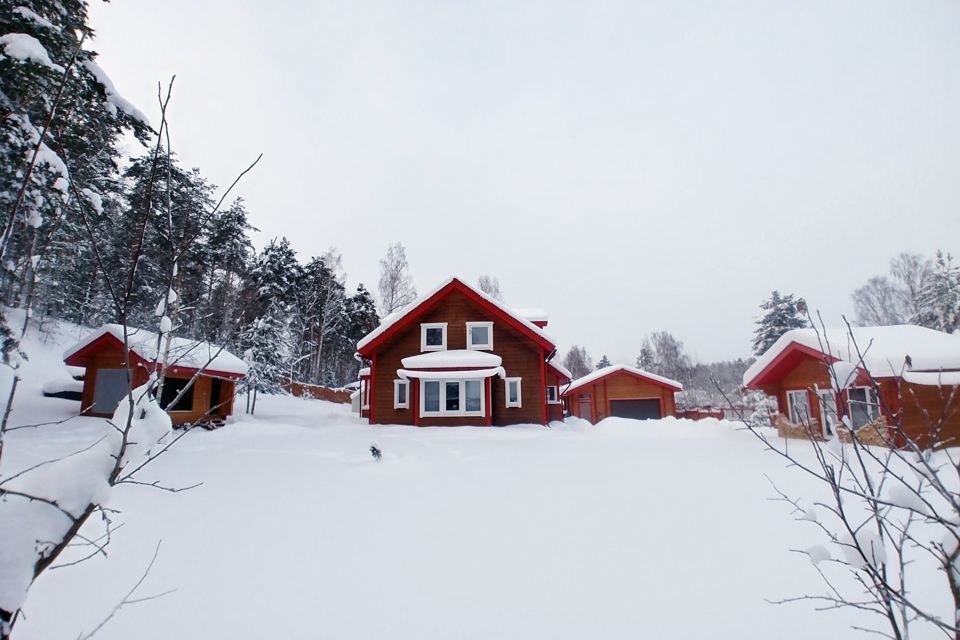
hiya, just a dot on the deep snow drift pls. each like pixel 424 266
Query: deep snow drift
pixel 656 529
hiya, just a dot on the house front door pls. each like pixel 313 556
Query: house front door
pixel 585 406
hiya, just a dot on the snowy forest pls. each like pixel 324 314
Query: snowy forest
pixel 79 209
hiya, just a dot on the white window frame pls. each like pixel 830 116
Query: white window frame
pixel 423 336
pixel 365 394
pixel 506 393
pixel 443 413
pixel 830 421
pixel 790 411
pixel 484 347
pixel 396 394
pixel 872 403
pixel 556 394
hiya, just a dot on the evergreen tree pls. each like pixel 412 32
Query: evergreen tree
pixel 228 257
pixel 43 167
pixel 604 362
pixel 646 360
pixel 265 336
pixel 780 314
pixel 938 301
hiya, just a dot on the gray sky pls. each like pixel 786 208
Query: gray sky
pixel 628 166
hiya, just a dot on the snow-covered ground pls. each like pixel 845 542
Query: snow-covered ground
pixel 624 530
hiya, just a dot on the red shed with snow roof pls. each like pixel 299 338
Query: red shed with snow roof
pixel 622 391
pixel 110 373
pixel 839 379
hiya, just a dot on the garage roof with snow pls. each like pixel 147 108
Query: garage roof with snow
pixel 618 369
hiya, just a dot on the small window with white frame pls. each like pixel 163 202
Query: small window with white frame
pixel 513 392
pixel 433 336
pixel 864 406
pixel 365 393
pixel 798 405
pixel 479 335
pixel 401 394
pixel 553 395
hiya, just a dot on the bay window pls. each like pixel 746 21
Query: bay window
pixel 443 398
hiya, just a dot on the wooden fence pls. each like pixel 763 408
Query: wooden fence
pixel 316 391
pixel 700 414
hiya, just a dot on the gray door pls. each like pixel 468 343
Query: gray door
pixel 636 409
pixel 585 411
pixel 109 388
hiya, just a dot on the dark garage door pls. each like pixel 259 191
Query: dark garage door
pixel 637 409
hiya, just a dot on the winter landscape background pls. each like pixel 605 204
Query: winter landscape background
pixel 677 186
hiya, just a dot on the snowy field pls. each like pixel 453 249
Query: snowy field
pixel 624 530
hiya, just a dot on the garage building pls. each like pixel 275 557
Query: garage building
pixel 621 391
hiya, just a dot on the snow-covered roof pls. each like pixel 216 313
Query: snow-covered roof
pixel 364 372
pixel 395 317
pixel 562 369
pixel 453 358
pixel 884 349
pixel 533 315
pixel 440 374
pixel 186 353
pixel 601 373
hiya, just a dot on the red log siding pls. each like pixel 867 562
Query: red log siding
pixel 622 386
pixel 111 357
pixel 521 358
pixel 921 405
pixel 926 405
pixel 555 411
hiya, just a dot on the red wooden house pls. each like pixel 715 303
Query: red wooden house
pixel 622 391
pixel 105 383
pixel 457 356
pixel 842 380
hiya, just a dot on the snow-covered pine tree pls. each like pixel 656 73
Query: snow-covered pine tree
pixel 647 359
pixel 604 362
pixel 229 253
pixel 938 301
pixel 60 121
pixel 265 333
pixel 319 309
pixel 780 315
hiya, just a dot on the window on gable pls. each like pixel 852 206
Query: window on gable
pixel 513 398
pixel 552 395
pixel 401 394
pixel 479 335
pixel 433 336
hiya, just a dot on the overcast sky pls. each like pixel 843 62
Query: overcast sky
pixel 627 166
